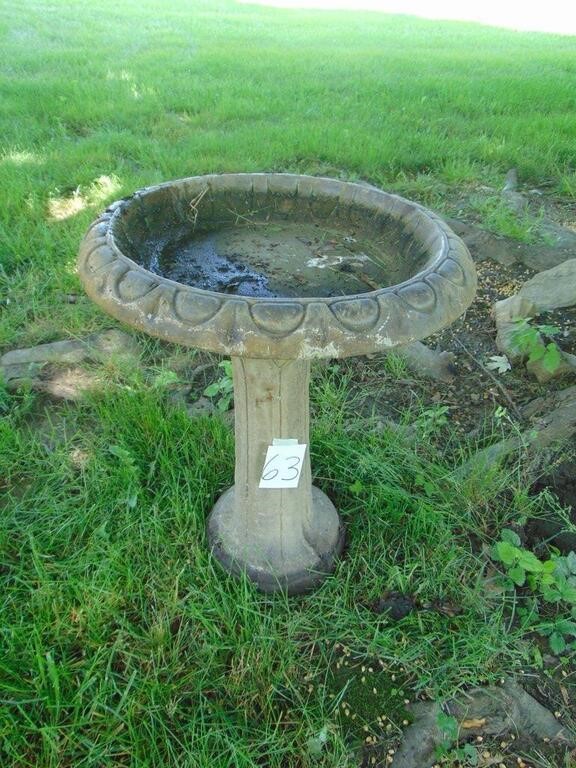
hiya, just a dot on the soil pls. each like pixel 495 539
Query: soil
pixel 476 392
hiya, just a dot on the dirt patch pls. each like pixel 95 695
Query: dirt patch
pixel 563 482
pixel 556 528
pixel 475 393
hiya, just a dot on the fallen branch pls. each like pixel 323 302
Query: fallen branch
pixel 490 375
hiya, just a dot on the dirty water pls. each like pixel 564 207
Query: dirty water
pixel 271 259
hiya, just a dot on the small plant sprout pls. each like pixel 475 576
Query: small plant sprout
pixel 164 379
pixel 395 365
pixel 222 390
pixel 433 419
pixel 530 341
pixel 553 580
pixel 316 744
pixel 501 414
pixel 466 755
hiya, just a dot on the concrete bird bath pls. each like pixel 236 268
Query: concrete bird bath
pixel 275 270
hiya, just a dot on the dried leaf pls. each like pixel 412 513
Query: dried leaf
pixel 498 363
pixel 474 722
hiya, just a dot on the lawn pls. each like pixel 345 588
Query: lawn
pixel 121 642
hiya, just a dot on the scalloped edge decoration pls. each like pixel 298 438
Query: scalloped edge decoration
pixel 452 271
pixel 134 285
pixel 276 318
pixel 195 309
pixel 287 327
pixel 419 296
pixel 356 314
pixel 99 257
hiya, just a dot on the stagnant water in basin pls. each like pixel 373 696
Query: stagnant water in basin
pixel 277 259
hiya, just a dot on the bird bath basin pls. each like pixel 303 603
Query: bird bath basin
pixel 275 270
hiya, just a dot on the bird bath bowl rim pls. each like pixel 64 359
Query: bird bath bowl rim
pixel 283 327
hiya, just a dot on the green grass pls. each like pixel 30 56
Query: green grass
pixel 99 99
pixel 122 644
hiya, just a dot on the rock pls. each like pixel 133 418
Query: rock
pixel 557 235
pixel 68 384
pixel 205 407
pixel 547 403
pixel 551 527
pixel 201 407
pixel 539 257
pixel 547 433
pixel 510 195
pixel 431 363
pixel 551 289
pixel 506 314
pixel 53 368
pixel 490 711
pixel 96 347
pixel 486 245
pixel 566 364
pixel 547 290
pixel 60 382
pixel 511 181
pixel 507 251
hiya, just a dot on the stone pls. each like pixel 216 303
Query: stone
pixel 566 365
pixel 233 264
pixel 53 368
pixel 554 427
pixel 202 407
pixel 553 288
pixel 540 257
pixel 486 245
pixel 559 245
pixel 433 364
pixel 69 383
pixel 412 302
pixel 506 314
pixel 491 711
pixel 96 347
pixel 306 532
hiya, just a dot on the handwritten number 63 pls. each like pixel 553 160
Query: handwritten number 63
pixel 273 472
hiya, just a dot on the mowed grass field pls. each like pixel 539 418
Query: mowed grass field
pixel 121 643
pixel 99 99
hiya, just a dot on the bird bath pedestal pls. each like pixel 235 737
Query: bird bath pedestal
pixel 275 270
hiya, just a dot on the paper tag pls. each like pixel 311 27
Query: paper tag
pixel 283 464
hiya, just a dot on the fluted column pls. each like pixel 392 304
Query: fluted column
pixel 282 537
